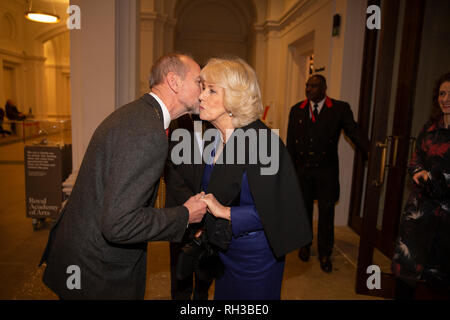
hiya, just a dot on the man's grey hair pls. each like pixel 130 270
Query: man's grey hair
pixel 171 62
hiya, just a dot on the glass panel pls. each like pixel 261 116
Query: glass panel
pixel 39 131
pixel 33 132
pixel 390 116
pixel 363 196
pixel 398 45
pixel 45 131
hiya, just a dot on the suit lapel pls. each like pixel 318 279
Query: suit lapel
pixel 153 104
pixel 306 123
pixel 325 117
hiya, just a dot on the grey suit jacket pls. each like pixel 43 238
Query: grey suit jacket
pixel 109 216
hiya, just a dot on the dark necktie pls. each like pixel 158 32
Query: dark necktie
pixel 316 111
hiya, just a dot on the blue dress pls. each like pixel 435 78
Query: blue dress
pixel 251 270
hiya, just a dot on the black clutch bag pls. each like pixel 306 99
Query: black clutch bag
pixel 219 231
pixel 201 257
pixel 436 187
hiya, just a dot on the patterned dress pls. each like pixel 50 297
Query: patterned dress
pixel 423 247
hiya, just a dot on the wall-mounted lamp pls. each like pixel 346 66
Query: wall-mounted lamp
pixel 41 16
pixel 336 25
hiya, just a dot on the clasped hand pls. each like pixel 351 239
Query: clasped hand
pixel 198 204
pixel 425 175
pixel 196 208
pixel 215 207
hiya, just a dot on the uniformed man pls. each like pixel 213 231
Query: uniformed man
pixel 315 125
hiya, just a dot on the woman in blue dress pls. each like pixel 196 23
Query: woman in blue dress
pixel 256 212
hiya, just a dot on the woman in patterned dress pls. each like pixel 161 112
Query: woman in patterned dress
pixel 422 253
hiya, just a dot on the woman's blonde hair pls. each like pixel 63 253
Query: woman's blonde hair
pixel 242 96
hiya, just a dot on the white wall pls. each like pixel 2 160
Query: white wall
pixel 347 71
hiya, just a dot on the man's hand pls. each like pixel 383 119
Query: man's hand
pixel 196 207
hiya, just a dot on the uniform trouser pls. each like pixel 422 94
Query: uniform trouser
pixel 183 289
pixel 325 233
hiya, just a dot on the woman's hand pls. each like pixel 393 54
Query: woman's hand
pixel 214 206
pixel 424 174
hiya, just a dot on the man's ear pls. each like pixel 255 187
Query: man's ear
pixel 174 81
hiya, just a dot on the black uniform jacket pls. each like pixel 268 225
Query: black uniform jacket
pixel 278 198
pixel 314 146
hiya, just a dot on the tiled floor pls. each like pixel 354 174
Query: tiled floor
pixel 21 248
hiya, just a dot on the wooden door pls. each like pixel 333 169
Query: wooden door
pixel 387 94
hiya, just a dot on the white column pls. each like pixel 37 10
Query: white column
pixel 156 34
pixel 257 56
pixel 104 68
pixel 272 77
pixel 146 48
pixel 169 31
pixel 127 49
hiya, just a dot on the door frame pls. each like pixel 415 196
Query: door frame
pixel 365 101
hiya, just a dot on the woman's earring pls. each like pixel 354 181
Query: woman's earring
pixel 230 114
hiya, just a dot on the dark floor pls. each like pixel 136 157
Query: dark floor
pixel 21 248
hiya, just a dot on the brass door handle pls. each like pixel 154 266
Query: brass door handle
pixel 384 146
pixel 394 157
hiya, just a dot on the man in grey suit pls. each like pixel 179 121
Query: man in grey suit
pixel 98 247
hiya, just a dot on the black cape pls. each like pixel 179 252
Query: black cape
pixel 278 198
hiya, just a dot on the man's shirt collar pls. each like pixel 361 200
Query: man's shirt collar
pixel 166 114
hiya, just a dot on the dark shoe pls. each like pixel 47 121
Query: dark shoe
pixel 325 264
pixel 304 254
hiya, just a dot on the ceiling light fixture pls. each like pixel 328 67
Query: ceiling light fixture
pixel 41 16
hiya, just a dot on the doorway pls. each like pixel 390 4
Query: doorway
pixel 9 83
pixel 401 63
pixel 211 28
pixel 299 67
